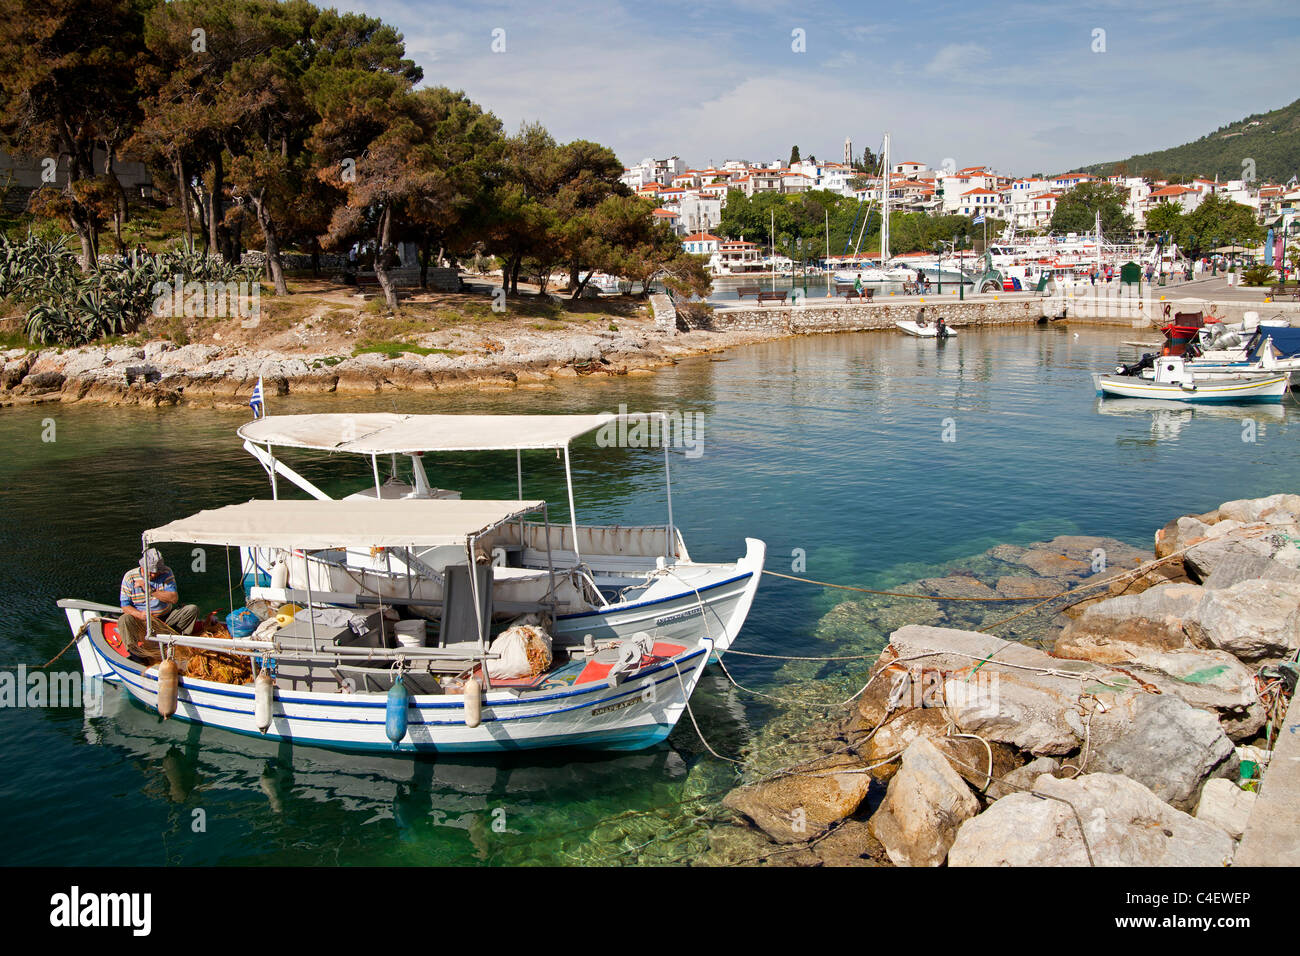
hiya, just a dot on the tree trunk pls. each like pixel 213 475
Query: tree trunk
pixel 272 249
pixel 516 263
pixel 83 223
pixel 120 210
pixel 184 189
pixel 425 248
pixel 215 212
pixel 384 257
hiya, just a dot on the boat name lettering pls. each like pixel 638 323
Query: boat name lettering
pixel 680 616
pixel 619 706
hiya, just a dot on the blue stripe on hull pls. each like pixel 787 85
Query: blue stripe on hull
pixel 619 738
pixel 626 739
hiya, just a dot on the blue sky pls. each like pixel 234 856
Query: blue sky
pixel 1015 85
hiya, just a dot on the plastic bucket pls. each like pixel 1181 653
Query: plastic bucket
pixel 410 633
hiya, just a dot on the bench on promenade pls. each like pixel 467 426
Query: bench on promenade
pixel 848 291
pixel 772 297
pixel 744 290
pixel 1280 290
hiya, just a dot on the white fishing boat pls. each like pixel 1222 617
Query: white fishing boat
pixel 329 673
pixel 1266 348
pixel 1174 380
pixel 611 581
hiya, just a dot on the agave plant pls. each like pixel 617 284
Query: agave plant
pixel 72 307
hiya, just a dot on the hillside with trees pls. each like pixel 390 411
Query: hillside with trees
pixel 1271 141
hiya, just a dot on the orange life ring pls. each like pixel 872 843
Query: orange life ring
pixel 114 639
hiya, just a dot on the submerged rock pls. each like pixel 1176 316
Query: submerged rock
pixel 797 807
pixel 1124 822
pixel 850 844
pixel 956 586
pixel 1022 586
pixel 1172 748
pixel 926 803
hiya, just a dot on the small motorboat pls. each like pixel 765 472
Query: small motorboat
pixel 1175 380
pixel 924 329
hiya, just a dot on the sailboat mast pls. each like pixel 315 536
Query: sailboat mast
pixel 884 209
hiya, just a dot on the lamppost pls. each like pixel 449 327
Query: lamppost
pixel 938 247
pixel 1214 257
pixel 958 243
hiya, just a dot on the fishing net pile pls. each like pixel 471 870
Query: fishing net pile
pixel 525 651
pixel 214 665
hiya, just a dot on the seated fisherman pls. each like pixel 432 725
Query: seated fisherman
pixel 151 585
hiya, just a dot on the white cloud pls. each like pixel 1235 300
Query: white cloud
pixel 955 59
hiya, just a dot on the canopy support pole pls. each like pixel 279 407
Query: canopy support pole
pixel 275 488
pixel 550 563
pixel 306 563
pixel 670 546
pixel 478 607
pixel 573 513
pixel 374 462
pixel 274 466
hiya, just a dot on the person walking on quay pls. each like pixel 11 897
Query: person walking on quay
pixel 150 587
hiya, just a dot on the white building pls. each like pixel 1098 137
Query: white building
pixel 698 212
pixel 653 171
pixel 702 243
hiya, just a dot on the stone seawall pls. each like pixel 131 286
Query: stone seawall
pixel 1084 307
pixel 815 315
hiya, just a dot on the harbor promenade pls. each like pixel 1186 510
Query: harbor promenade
pixel 1270 838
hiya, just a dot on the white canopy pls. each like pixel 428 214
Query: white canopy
pixel 384 433
pixel 342 524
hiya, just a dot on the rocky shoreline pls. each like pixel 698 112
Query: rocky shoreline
pixel 1126 739
pixel 162 373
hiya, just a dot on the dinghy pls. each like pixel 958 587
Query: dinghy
pixel 925 330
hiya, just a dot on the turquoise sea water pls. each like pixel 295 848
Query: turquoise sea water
pixel 832 446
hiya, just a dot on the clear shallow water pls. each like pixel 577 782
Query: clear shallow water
pixel 832 444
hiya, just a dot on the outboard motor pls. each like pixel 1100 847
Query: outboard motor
pixel 1148 360
pixel 940 329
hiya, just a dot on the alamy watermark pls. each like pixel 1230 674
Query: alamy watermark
pixel 683 430
pixel 210 300
pixel 39 688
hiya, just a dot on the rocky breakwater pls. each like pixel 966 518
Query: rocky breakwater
pixel 163 373
pixel 1127 743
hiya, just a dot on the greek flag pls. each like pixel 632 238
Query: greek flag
pixel 978 219
pixel 255 403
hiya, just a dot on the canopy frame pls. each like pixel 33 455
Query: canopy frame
pixel 363 434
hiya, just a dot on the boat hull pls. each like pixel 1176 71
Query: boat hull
pixel 1230 391
pixel 637 713
pixel 922 331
